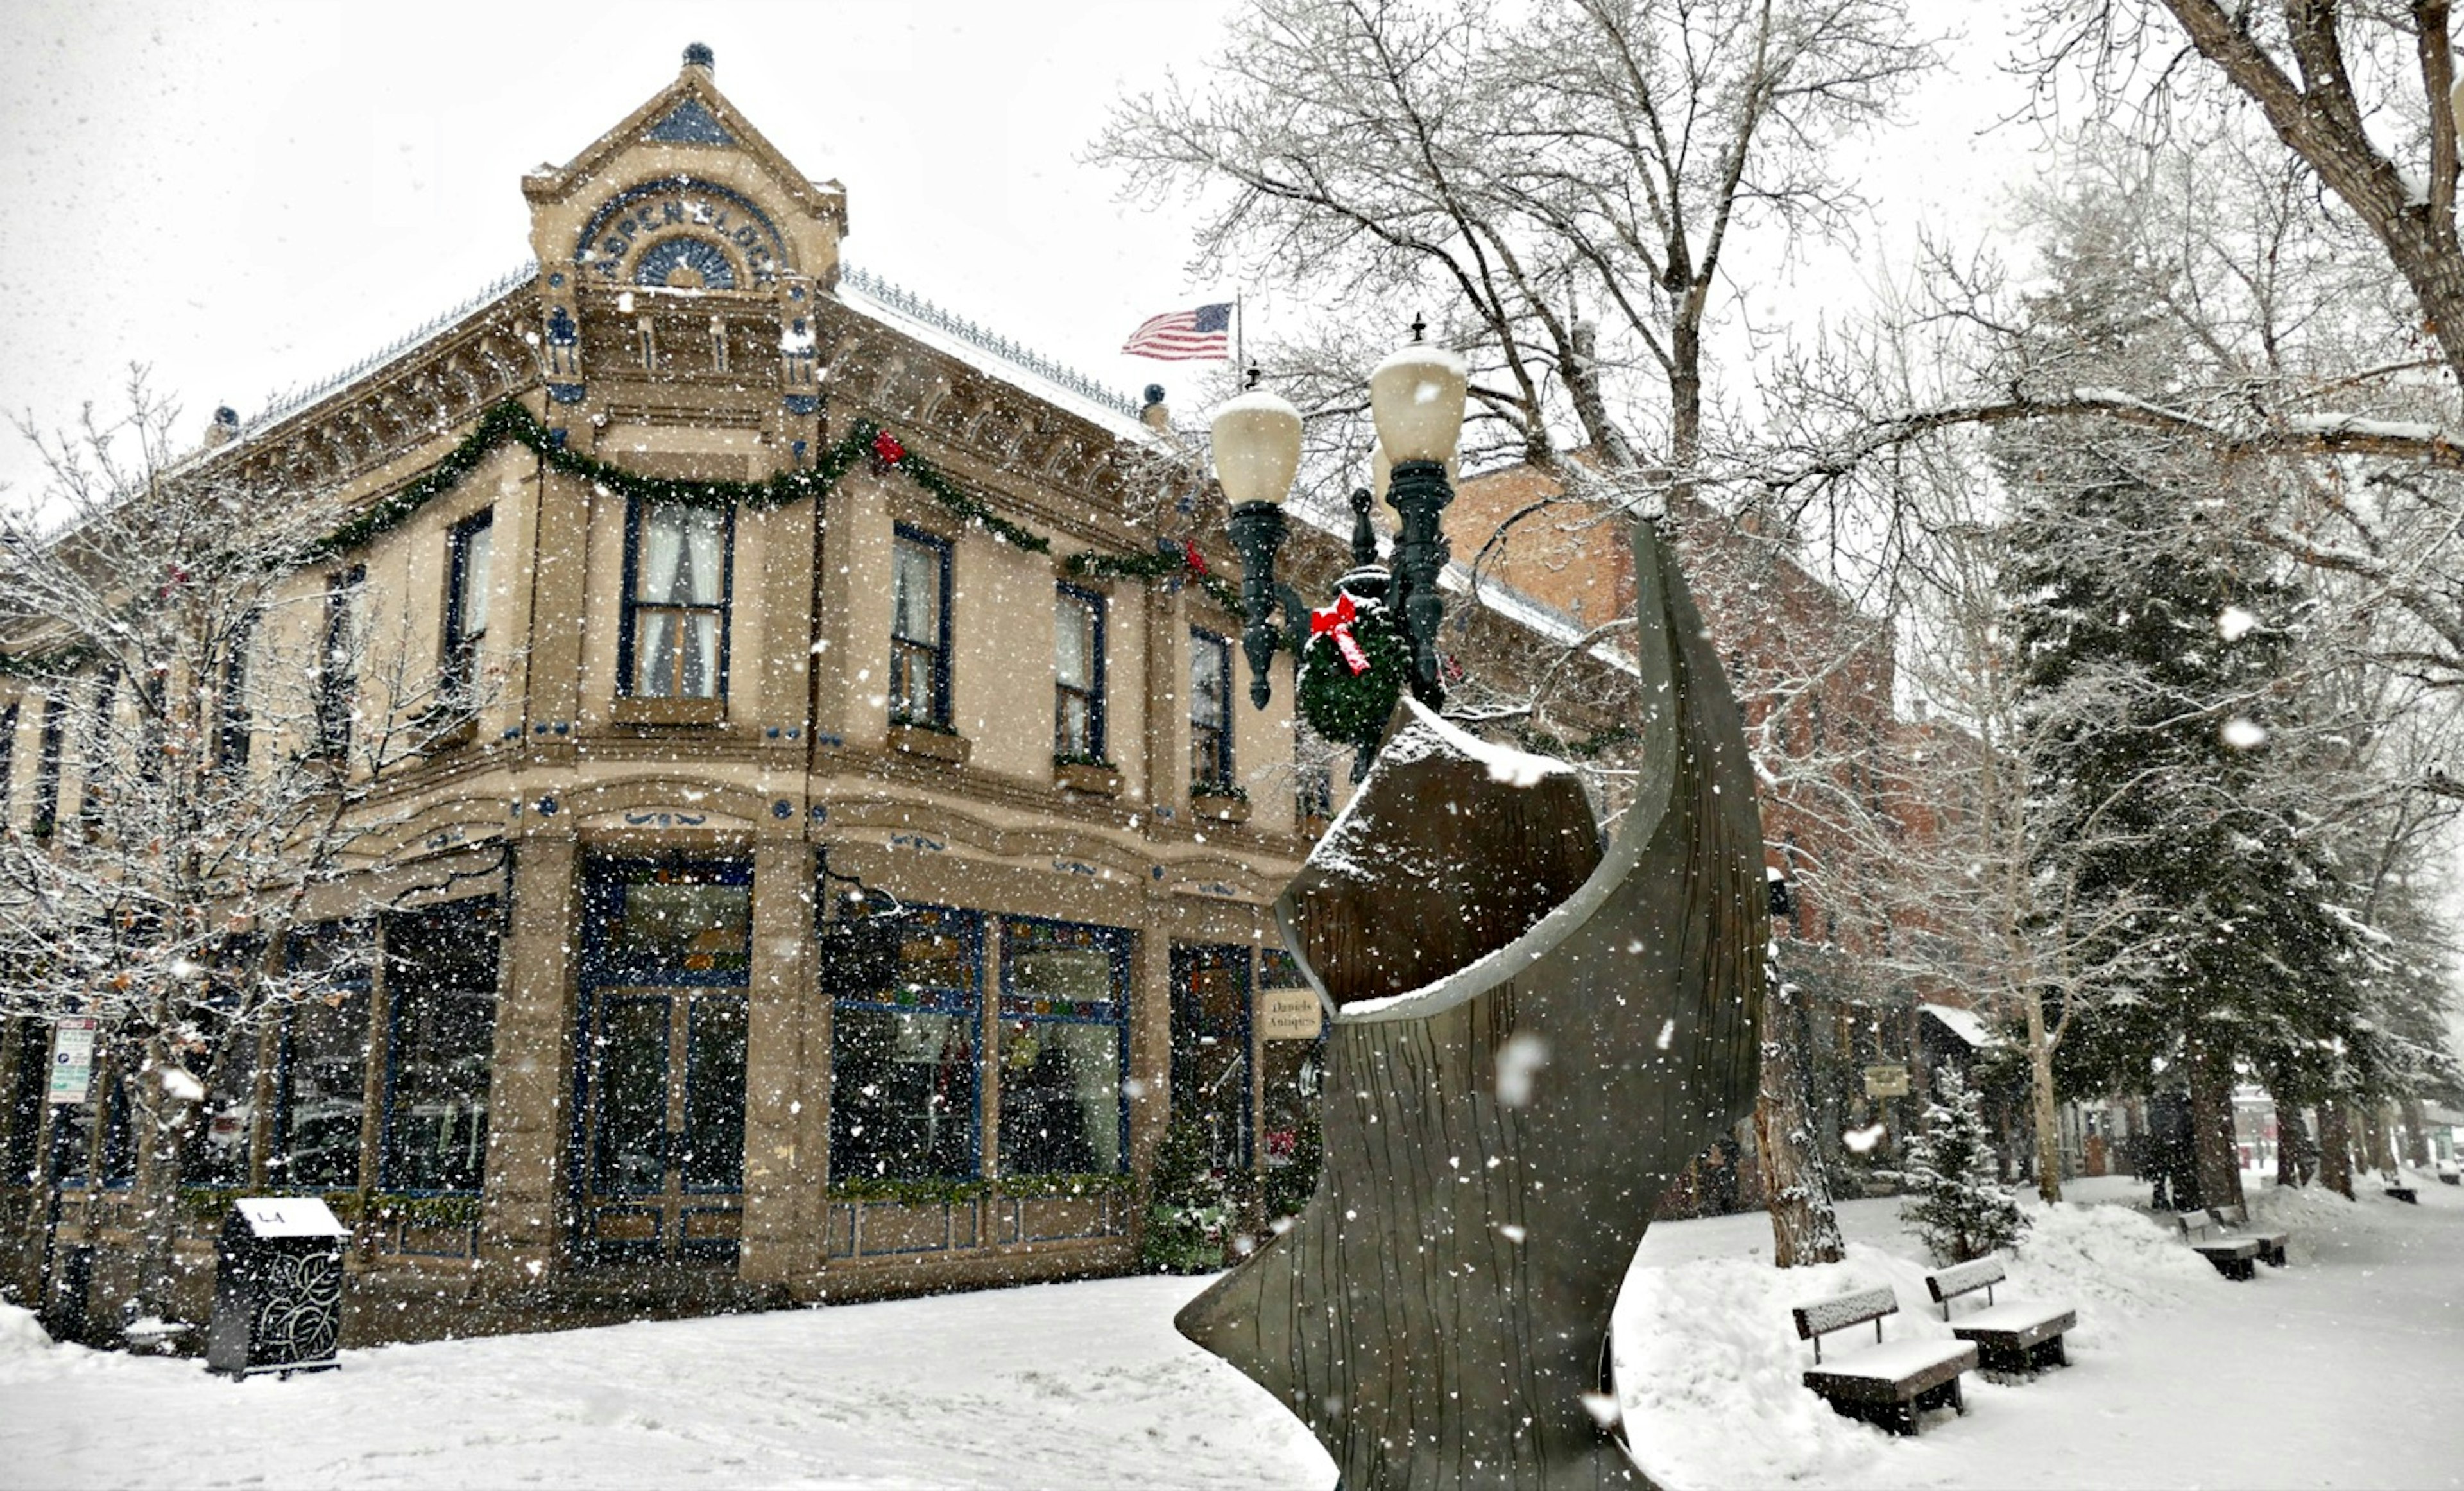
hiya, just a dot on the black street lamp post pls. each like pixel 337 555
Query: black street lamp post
pixel 1417 398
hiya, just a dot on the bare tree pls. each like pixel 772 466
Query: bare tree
pixel 223 724
pixel 1563 183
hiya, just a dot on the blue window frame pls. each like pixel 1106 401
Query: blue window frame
pixel 321 1065
pixel 1078 675
pixel 469 561
pixel 441 984
pixel 919 628
pixel 668 921
pixel 1064 1048
pixel 905 1076
pixel 1210 712
pixel 679 574
pixel 338 679
pixel 47 763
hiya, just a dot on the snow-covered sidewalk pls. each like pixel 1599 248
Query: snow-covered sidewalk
pixel 2343 1370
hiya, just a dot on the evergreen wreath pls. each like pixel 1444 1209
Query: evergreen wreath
pixel 1348 706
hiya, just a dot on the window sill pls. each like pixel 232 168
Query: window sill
pixel 916 741
pixel 1080 776
pixel 669 711
pixel 1218 808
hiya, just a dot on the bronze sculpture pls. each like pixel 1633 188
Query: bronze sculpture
pixel 1530 1039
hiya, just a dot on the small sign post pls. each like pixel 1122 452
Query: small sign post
pixel 73 1058
pixel 1290 1014
pixel 1887 1081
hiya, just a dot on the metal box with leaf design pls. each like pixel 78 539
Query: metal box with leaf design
pixel 277 1287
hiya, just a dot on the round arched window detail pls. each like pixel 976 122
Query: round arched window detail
pixel 685 264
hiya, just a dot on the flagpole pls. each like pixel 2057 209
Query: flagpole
pixel 1239 327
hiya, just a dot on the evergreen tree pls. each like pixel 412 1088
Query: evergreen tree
pixel 2159 651
pixel 1189 1212
pixel 1959 1209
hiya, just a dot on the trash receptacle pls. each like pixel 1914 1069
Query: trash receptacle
pixel 277 1287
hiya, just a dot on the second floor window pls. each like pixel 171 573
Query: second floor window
pixel 469 551
pixel 101 749
pixel 1210 711
pixel 47 763
pixel 676 621
pixel 337 663
pixel 919 630
pixel 233 730
pixel 1078 675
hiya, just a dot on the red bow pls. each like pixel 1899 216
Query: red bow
pixel 1189 556
pixel 1336 621
pixel 886 450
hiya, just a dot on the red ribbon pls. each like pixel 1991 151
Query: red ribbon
pixel 886 450
pixel 1189 556
pixel 1336 621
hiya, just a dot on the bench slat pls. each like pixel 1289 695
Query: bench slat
pixel 1949 1283
pixel 1821 1317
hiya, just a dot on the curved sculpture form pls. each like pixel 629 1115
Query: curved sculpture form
pixel 1507 1097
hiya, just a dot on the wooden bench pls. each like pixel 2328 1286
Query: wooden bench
pixel 1890 1384
pixel 2236 1222
pixel 2017 1337
pixel 2406 1194
pixel 2234 1257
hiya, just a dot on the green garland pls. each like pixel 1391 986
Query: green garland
pixel 511 423
pixel 937 1193
pixel 1151 566
pixel 1353 708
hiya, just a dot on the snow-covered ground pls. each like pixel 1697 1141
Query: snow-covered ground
pixel 2346 1370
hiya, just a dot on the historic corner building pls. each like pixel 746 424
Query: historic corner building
pixel 623 1052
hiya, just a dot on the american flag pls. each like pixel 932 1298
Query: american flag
pixel 1184 335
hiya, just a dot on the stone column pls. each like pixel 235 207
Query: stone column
pixel 524 1205
pixel 783 1064
pixel 1150 1035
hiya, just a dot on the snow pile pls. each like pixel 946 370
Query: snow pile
pixel 22 1340
pixel 1711 1370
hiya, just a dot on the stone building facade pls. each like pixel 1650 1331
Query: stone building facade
pixel 629 1048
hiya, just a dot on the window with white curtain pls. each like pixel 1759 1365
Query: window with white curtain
pixel 675 625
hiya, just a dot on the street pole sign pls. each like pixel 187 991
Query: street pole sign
pixel 73 1058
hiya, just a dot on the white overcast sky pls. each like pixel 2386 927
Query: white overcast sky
pixel 246 196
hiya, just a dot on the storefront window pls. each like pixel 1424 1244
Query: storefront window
pixel 903 1075
pixel 665 923
pixel 217 1145
pixel 322 1077
pixel 441 989
pixel 1064 1039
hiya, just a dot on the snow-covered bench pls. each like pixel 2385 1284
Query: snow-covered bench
pixel 1891 1383
pixel 2234 1220
pixel 2404 1193
pixel 2234 1257
pixel 2019 1337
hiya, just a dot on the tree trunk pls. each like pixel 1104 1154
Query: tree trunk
pixel 2334 1149
pixel 2041 1091
pixel 2212 1128
pixel 2374 1141
pixel 1797 1187
pixel 2416 1135
pixel 158 1121
pixel 2292 1149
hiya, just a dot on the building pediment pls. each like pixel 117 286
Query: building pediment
pixel 684 194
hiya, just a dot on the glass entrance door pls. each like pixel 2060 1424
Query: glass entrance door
pixel 1210 1048
pixel 658 1139
pixel 664 1157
